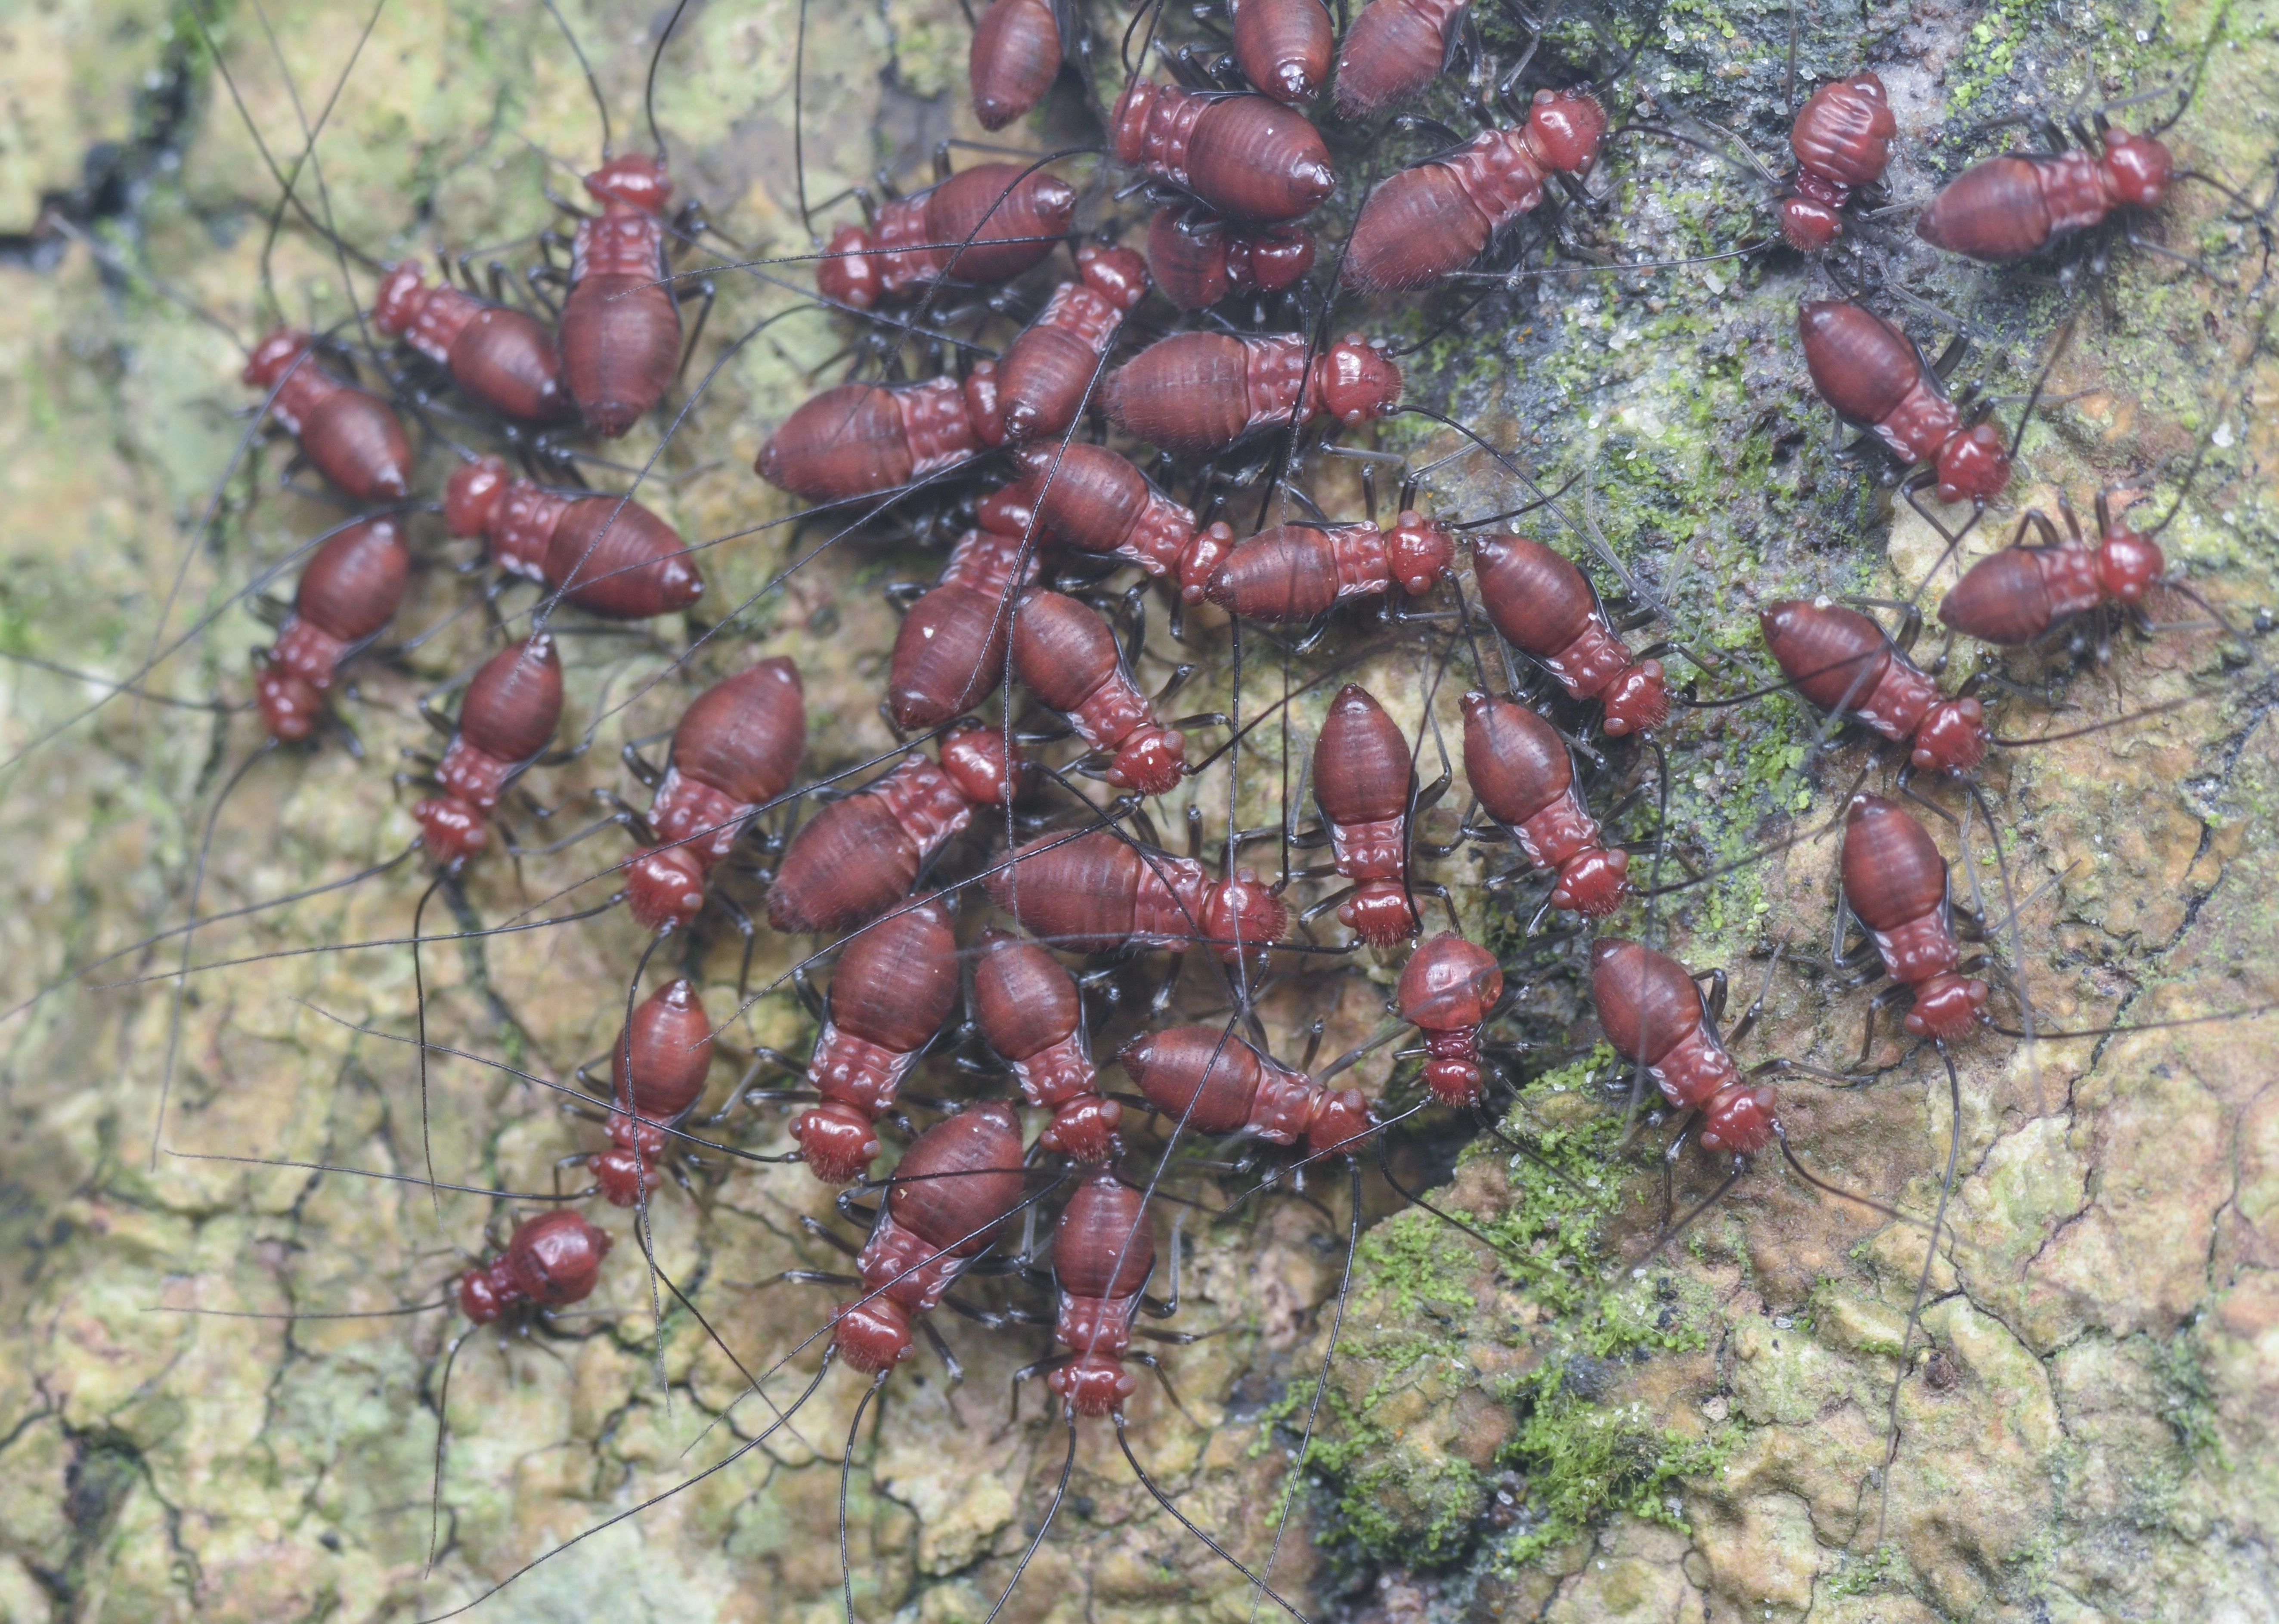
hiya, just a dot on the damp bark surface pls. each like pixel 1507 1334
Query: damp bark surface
pixel 221 1381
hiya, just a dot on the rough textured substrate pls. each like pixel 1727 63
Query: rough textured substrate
pixel 2085 1427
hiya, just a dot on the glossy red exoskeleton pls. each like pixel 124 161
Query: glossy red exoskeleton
pixel 1090 498
pixel 736 749
pixel 349 435
pixel 1204 391
pixel 500 357
pixel 1295 572
pixel 1362 780
pixel 1048 371
pixel 1213 1082
pixel 893 985
pixel 1545 608
pixel 1431 221
pixel 1525 776
pixel 949 653
pixel 986 224
pixel 349 590
pixel 620 333
pixel 950 1193
pixel 1284 46
pixel 551 1261
pixel 1093 891
pixel 2012 207
pixel 508 717
pixel 2014 596
pixel 1654 1015
pixel 606 554
pixel 1895 884
pixel 1245 155
pixel 1875 376
pixel 858 856
pixel 1103 1251
pixel 1447 989
pixel 1392 50
pixel 1067 657
pixel 1197 258
pixel 1842 139
pixel 669 1043
pixel 1015 57
pixel 1844 663
pixel 1029 1008
pixel 860 439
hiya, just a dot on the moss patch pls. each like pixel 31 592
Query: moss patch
pixel 1459 1360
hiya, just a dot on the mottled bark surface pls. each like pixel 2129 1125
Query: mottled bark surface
pixel 1516 1430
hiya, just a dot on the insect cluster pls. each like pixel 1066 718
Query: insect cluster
pixel 1261 708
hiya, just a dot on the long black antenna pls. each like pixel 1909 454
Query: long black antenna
pixel 182 968
pixel 419 1007
pixel 1789 95
pixel 442 1435
pixel 640 1184
pixel 1923 1284
pixel 798 133
pixel 2057 348
pixel 586 67
pixel 1060 1491
pixel 734 1456
pixel 649 92
pixel 1320 1387
pixel 846 1471
pixel 1186 1522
